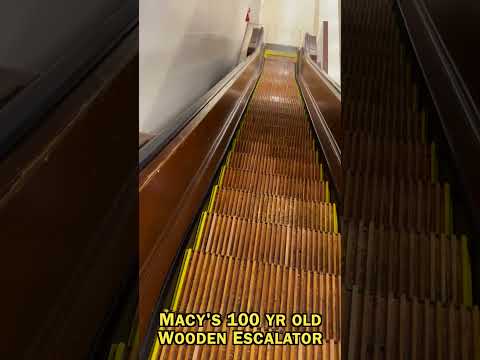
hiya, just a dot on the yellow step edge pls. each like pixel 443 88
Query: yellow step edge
pixel 155 349
pixel 212 198
pixel 200 230
pixel 222 174
pixel 113 350
pixel 228 158
pixel 181 279
pixel 335 220
pixel 120 352
pixel 327 192
pixel 467 273
pixel 273 53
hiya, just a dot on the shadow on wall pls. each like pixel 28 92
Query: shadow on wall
pixel 185 48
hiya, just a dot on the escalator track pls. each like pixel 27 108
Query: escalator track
pixel 407 275
pixel 267 240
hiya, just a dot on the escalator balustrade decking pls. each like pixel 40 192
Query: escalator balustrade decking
pixel 268 239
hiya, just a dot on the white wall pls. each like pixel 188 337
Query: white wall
pixel 186 46
pixel 286 21
pixel 329 11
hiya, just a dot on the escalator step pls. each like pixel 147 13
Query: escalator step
pixel 276 166
pixel 266 116
pixel 276 209
pixel 397 328
pixel 370 118
pixel 383 261
pixel 302 189
pixel 215 283
pixel 275 135
pixel 266 148
pixel 399 203
pixel 270 243
pixel 372 155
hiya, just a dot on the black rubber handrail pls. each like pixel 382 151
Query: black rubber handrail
pixel 309 49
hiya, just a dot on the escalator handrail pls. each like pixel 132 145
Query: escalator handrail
pixel 161 140
pixel 325 136
pixel 331 83
pixel 310 50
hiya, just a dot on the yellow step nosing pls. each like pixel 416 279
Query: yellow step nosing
pixel 212 198
pixel 155 349
pixel 112 352
pixel 335 220
pixel 120 351
pixel 227 162
pixel 327 192
pixel 274 53
pixel 222 174
pixel 200 230
pixel 181 279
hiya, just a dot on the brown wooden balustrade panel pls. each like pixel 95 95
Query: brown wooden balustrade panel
pixel 68 215
pixel 174 183
pixel 325 109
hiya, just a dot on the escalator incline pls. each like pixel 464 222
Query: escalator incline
pixel 406 275
pixel 267 240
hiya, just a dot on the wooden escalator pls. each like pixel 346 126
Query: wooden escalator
pixel 267 240
pixel 407 274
